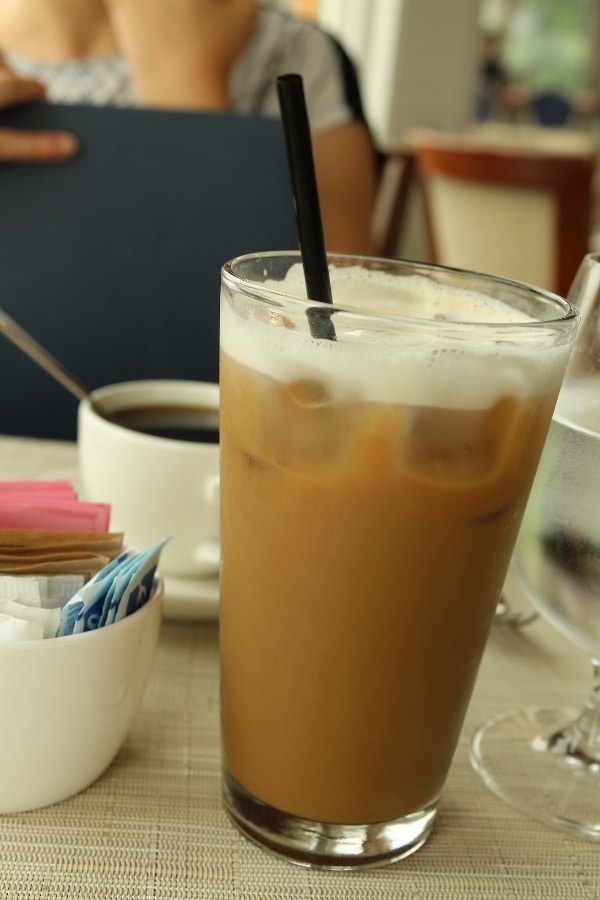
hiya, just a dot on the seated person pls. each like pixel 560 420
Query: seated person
pixel 193 54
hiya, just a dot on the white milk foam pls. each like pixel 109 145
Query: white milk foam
pixel 409 296
pixel 385 364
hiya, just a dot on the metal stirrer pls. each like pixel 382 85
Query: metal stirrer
pixel 25 342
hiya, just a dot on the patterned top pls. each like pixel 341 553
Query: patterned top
pixel 277 45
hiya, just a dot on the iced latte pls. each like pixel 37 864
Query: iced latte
pixel 372 490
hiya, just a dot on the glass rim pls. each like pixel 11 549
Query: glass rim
pixel 592 256
pixel 569 312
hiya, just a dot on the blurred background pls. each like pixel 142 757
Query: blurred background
pixel 429 62
pixel 519 72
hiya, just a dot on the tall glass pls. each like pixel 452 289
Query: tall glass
pixel 376 458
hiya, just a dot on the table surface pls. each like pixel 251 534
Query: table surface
pixel 153 826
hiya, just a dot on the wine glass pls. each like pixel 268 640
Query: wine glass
pixel 507 615
pixel 546 762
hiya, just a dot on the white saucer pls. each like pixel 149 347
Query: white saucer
pixel 191 598
pixel 67 473
pixel 185 598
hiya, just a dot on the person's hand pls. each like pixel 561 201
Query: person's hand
pixel 29 146
pixel 180 53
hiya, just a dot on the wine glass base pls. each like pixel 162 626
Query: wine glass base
pixel 510 755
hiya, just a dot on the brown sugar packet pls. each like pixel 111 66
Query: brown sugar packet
pixel 18 537
pixel 45 552
pixel 78 565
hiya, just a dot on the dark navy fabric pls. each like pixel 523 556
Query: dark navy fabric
pixel 112 261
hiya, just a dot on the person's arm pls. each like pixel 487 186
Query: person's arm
pixel 345 170
pixel 29 146
pixel 180 53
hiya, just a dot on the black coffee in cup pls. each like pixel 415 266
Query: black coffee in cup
pixel 178 422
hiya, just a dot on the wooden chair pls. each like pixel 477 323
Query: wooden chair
pixel 396 180
pixel 515 211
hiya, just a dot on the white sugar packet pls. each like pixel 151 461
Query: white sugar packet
pixel 48 618
pixel 47 591
pixel 30 605
pixel 13 629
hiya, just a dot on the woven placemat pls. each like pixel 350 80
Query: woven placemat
pixel 152 826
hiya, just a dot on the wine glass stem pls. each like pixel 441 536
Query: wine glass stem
pixel 579 740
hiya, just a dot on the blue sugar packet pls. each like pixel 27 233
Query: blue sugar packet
pixel 132 584
pixel 68 616
pixel 117 590
pixel 88 602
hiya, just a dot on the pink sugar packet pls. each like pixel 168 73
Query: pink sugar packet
pixel 59 515
pixel 56 489
pixel 49 506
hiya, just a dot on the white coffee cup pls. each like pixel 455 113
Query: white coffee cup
pixel 157 486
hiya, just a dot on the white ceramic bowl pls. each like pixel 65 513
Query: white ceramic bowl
pixel 66 705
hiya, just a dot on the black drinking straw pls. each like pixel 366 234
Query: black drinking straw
pixel 296 129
